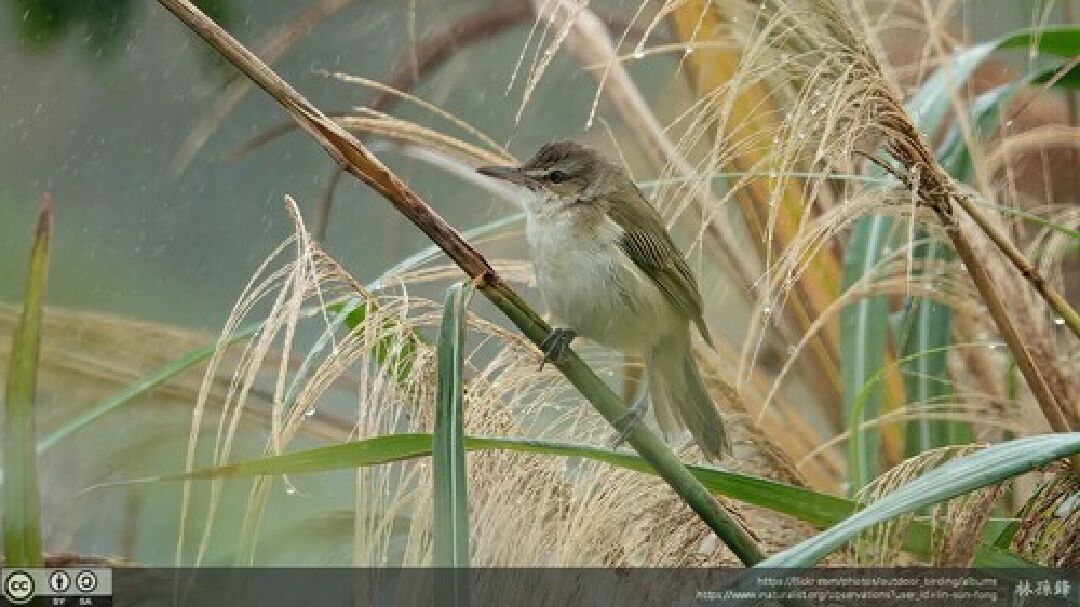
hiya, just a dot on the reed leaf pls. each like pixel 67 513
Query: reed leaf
pixel 22 493
pixel 986 113
pixel 864 344
pixel 449 474
pixel 139 388
pixel 956 477
pixel 930 104
pixel 927 326
pixel 807 505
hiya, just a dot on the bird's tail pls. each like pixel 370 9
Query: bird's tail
pixel 679 398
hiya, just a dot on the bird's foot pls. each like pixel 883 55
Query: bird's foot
pixel 626 422
pixel 555 345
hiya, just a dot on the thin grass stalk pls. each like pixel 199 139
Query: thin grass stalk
pixel 359 162
pixel 22 492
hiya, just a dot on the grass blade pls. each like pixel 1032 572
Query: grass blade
pixel 22 498
pixel 926 330
pixel 987 467
pixel 451 523
pixel 930 104
pixel 864 345
pixel 139 388
pixel 986 111
pixel 804 504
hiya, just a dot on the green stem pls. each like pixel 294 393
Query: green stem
pixel 646 442
pixel 347 150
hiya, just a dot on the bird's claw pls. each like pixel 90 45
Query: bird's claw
pixel 555 345
pixel 626 422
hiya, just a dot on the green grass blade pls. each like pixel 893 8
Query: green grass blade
pixel 22 497
pixel 931 102
pixel 986 110
pixel 143 385
pixel 804 504
pixel 1063 41
pixel 956 477
pixel 451 481
pixel 925 339
pixel 864 344
pixel 396 350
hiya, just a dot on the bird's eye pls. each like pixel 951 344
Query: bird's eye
pixel 558 176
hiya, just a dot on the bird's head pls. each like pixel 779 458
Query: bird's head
pixel 563 172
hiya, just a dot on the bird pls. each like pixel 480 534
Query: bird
pixel 609 271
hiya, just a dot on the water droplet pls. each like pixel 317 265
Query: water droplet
pixel 1059 321
pixel 310 412
pixel 639 52
pixel 290 490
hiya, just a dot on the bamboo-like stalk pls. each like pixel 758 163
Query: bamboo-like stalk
pixel 359 162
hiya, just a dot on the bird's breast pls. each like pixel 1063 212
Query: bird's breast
pixel 592 286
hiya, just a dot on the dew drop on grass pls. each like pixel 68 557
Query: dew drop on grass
pixel 290 490
pixel 639 52
pixel 310 412
pixel 1059 321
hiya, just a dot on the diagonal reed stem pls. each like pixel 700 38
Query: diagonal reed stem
pixel 1025 267
pixel 359 162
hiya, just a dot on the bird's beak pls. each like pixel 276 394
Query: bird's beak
pixel 511 174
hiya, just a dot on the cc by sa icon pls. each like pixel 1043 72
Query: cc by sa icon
pixel 19 587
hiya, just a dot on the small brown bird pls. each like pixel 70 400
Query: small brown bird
pixel 609 270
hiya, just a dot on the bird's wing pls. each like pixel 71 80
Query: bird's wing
pixel 647 243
